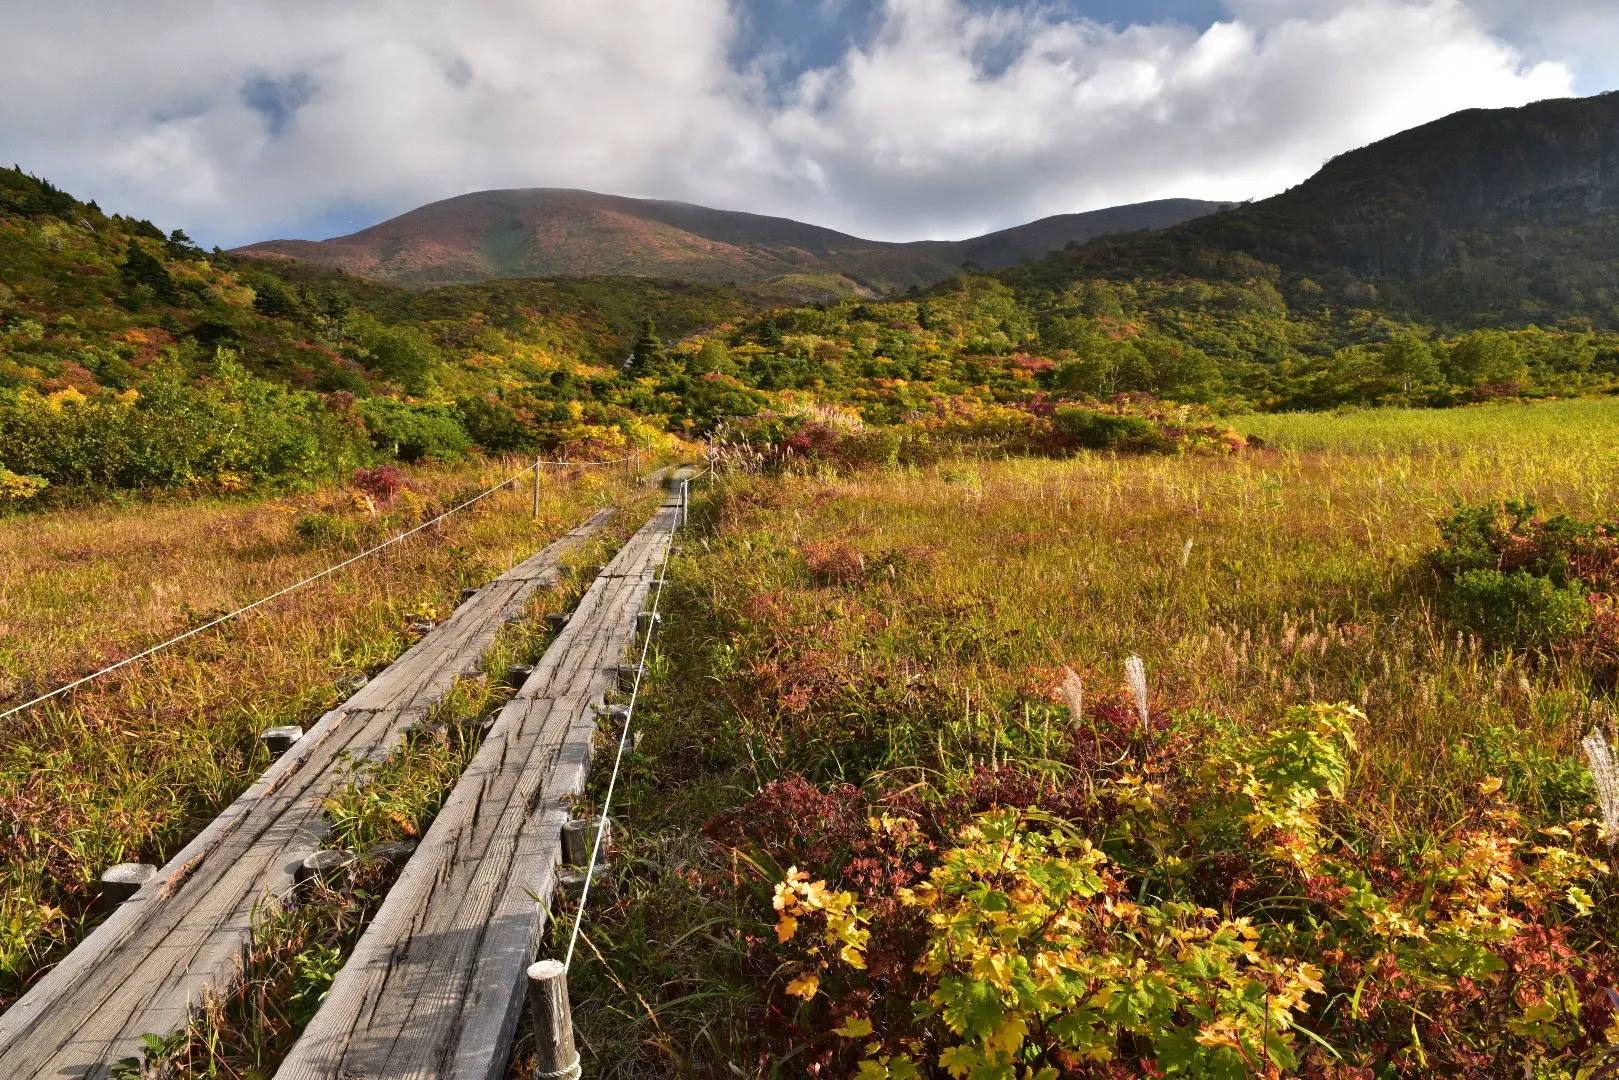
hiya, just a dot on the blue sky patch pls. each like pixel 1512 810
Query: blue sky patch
pixel 276 99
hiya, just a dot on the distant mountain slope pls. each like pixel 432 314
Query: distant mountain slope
pixel 556 232
pixel 1485 216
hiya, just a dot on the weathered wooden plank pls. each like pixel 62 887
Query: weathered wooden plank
pixel 149 964
pixel 436 984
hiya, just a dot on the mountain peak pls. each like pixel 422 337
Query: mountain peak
pixel 567 232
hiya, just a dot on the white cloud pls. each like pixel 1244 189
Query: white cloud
pixel 1087 116
pixel 946 122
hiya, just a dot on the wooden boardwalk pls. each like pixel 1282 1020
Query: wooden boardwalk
pixel 436 984
pixel 145 968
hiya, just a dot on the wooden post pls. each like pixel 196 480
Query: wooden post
pixel 554 1055
pixel 536 514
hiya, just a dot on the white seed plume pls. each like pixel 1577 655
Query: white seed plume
pixel 1073 692
pixel 1135 673
pixel 1606 777
pixel 1186 552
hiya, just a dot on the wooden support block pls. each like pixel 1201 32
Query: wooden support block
pixel 119 883
pixel 572 884
pixel 395 853
pixel 615 714
pixel 518 674
pixel 420 626
pixel 468 594
pixel 579 837
pixel 558 620
pixel 626 675
pixel 325 865
pixel 554 1055
pixel 477 725
pixel 278 740
pixel 648 622
pixel 352 684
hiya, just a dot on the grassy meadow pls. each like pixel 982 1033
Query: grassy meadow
pixel 862 674
pixel 128 767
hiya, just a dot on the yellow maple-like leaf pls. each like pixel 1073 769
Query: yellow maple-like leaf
pixel 785 928
pixel 1490 785
pixel 805 986
pixel 854 1027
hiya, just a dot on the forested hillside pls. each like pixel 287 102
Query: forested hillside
pixel 131 359
pixel 1484 218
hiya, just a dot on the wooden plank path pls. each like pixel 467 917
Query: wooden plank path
pixel 436 984
pixel 145 968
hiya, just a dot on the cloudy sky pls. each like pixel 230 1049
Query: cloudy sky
pixel 241 120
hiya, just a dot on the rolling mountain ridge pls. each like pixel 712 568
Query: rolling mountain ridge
pixel 557 232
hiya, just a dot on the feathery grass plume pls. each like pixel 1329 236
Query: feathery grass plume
pixel 1606 778
pixel 1135 673
pixel 1073 692
pixel 1186 552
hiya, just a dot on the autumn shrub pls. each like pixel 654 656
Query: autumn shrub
pixel 382 483
pixel 15 488
pixel 230 432
pixel 1217 917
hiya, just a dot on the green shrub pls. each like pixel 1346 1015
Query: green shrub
pixel 1095 430
pixel 415 432
pixel 1519 608
pixel 321 529
pixel 493 425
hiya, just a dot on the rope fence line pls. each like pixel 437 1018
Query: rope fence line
pixel 60 690
pixel 629 717
pixel 615 461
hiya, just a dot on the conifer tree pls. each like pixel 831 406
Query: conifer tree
pixel 647 356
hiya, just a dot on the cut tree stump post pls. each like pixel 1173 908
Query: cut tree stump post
pixel 558 619
pixel 554 1055
pixel 518 674
pixel 648 622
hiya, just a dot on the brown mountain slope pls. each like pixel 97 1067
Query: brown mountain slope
pixel 558 232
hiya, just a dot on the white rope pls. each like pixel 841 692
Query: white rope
pixel 615 461
pixel 623 739
pixel 265 600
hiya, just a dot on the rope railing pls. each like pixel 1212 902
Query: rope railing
pixel 60 690
pixel 629 717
